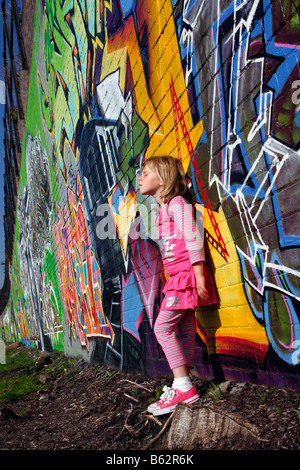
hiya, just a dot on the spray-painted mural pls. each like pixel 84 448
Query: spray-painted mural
pixel 216 84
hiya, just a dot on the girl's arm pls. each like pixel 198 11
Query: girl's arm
pixel 200 280
pixel 182 212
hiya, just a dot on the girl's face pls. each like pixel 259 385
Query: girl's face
pixel 149 182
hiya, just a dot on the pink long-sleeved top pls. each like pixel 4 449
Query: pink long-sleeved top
pixel 181 246
pixel 180 242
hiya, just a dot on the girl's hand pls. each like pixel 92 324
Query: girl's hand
pixel 200 286
pixel 200 281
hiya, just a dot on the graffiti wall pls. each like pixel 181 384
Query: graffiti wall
pixel 213 83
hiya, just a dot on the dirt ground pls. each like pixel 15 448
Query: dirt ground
pixel 93 407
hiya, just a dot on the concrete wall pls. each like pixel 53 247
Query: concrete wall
pixel 215 83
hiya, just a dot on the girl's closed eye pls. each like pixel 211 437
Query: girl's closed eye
pixel 150 183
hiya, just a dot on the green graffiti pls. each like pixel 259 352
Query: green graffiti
pixel 68 72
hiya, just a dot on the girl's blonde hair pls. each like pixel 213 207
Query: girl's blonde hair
pixel 171 172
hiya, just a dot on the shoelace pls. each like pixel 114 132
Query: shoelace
pixel 168 394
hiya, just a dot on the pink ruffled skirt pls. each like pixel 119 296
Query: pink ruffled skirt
pixel 181 294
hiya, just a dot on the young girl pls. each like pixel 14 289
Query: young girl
pixel 189 284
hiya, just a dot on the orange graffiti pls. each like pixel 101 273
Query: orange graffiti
pixel 79 273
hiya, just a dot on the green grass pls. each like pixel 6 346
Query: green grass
pixel 17 375
pixel 20 377
pixel 62 365
pixel 19 357
pixel 17 388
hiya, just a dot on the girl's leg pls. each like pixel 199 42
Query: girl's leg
pixel 186 332
pixel 165 329
pixel 175 331
pixel 187 336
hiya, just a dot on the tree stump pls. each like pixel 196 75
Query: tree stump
pixel 193 428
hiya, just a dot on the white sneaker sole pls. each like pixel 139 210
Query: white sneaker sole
pixel 152 408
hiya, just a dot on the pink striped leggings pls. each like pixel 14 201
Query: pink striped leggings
pixel 176 333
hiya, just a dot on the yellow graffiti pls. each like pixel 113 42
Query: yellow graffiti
pixel 229 327
pixel 152 99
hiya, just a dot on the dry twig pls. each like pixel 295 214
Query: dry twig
pixel 153 418
pixel 126 426
pixel 131 398
pixel 138 385
pixel 160 432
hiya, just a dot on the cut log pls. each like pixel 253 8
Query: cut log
pixel 194 428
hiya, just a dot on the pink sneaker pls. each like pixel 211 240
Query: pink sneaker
pixel 170 399
pixel 167 391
